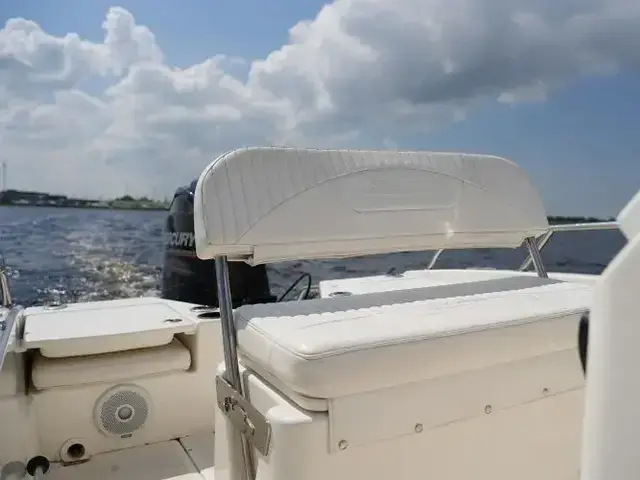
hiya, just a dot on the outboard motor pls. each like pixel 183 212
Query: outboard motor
pixel 187 278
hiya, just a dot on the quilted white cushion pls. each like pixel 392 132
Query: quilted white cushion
pixel 329 348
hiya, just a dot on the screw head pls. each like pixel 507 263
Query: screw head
pixel 419 427
pixel 343 444
pixel 488 409
pixel 545 391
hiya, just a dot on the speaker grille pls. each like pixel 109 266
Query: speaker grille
pixel 122 410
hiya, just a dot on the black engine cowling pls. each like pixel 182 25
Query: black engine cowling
pixel 188 279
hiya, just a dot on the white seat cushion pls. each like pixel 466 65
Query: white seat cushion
pixel 109 367
pixel 329 348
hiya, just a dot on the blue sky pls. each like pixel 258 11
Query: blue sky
pixel 581 144
pixel 188 32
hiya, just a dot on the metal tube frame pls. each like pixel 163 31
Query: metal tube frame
pixel 434 259
pixel 569 227
pixel 534 253
pixel 229 338
pixel 230 347
pixel 544 239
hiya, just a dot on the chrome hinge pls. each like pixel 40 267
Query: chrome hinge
pixel 244 416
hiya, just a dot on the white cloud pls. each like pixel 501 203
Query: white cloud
pixel 360 67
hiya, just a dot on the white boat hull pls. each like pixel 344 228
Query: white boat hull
pixel 491 419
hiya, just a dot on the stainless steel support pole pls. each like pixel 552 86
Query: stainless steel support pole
pixel 434 259
pixel 229 338
pixel 541 244
pixel 230 347
pixel 538 264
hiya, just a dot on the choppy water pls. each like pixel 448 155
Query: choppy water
pixel 74 255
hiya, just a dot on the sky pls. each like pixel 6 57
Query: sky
pixel 100 99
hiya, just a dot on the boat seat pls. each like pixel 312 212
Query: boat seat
pixel 109 367
pixel 334 347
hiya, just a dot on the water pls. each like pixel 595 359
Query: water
pixel 74 255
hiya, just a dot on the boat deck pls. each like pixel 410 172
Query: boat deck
pixel 189 458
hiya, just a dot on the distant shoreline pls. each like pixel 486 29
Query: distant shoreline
pixel 561 219
pixel 552 219
pixel 90 207
pixel 23 198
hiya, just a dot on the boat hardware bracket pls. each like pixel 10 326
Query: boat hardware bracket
pixel 244 416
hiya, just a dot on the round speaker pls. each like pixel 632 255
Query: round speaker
pixel 122 410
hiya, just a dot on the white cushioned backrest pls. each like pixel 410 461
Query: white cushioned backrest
pixel 265 205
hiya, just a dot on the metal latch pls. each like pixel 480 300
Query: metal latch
pixel 244 416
